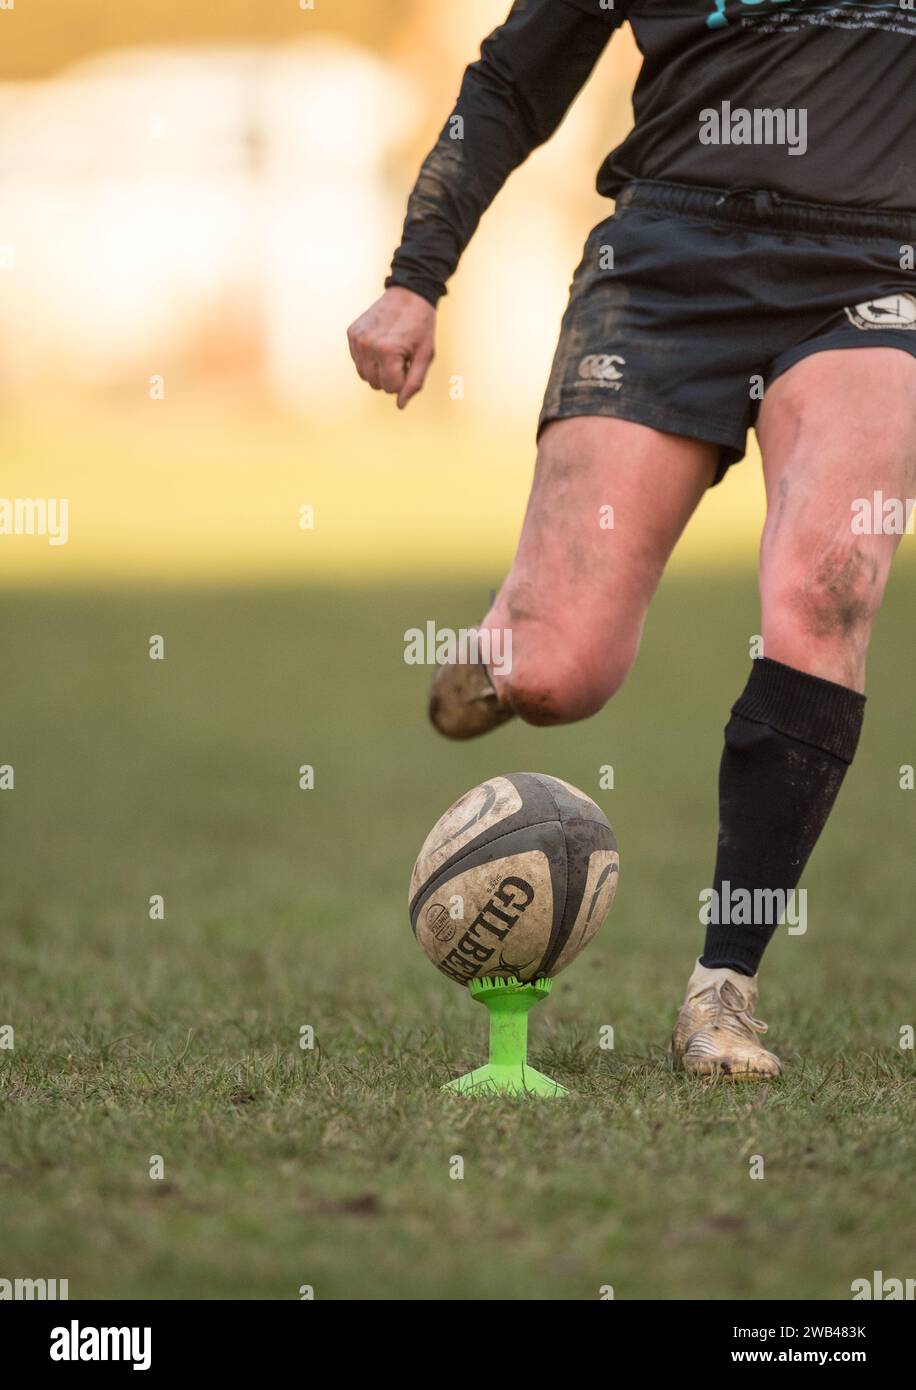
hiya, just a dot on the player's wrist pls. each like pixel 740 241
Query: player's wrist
pixel 424 288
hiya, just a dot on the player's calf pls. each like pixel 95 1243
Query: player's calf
pixel 821 591
pixel 838 434
pixel 837 430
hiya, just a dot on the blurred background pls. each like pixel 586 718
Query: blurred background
pixel 195 201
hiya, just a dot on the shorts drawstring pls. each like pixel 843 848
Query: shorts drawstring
pixel 765 199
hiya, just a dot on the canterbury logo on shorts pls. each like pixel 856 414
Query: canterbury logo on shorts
pixel 601 368
pixel 894 311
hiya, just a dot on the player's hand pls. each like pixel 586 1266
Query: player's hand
pixel 392 343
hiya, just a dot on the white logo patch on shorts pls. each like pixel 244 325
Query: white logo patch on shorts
pixel 602 369
pixel 894 311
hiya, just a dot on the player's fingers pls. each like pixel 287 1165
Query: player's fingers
pixel 367 368
pixel 392 368
pixel 360 344
pixel 416 375
pixel 363 357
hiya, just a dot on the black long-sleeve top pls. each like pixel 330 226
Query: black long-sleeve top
pixel 816 102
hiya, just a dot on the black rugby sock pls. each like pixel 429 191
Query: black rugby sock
pixel 788 744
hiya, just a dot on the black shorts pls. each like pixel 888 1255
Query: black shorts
pixel 689 302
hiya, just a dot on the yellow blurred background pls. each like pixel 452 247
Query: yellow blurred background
pixel 195 201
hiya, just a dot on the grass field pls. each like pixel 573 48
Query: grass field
pixel 286 908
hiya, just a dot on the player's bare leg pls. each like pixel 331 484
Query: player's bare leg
pixel 838 427
pixel 576 599
pixel 835 430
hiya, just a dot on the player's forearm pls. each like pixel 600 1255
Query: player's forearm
pixel 511 101
pixel 482 142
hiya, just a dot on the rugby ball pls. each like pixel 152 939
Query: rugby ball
pixel 514 879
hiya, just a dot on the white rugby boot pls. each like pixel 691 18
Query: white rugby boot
pixel 463 702
pixel 716 1033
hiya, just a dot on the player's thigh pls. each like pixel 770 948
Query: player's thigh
pixel 609 500
pixel 838 438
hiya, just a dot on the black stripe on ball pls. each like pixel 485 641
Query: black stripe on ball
pixel 546 802
pixel 502 846
pixel 586 829
pixel 538 808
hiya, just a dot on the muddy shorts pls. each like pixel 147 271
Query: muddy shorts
pixel 690 301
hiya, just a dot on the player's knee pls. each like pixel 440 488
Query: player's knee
pixel 556 684
pixel 826 592
pixel 542 693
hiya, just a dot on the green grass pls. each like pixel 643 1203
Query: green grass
pixel 285 908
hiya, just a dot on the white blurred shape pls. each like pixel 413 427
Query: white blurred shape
pixel 145 191
pixel 330 220
pixel 198 210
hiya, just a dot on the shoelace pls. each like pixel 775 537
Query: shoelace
pixel 487 693
pixel 736 1007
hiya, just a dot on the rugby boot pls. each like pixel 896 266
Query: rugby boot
pixel 463 703
pixel 716 1033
